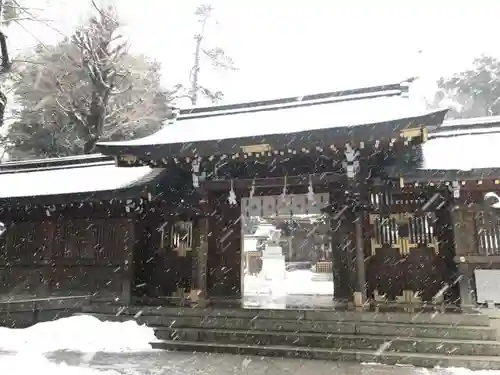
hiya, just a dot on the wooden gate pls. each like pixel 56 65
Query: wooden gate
pixel 406 261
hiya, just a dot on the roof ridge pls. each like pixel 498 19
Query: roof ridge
pixel 297 104
pixel 400 87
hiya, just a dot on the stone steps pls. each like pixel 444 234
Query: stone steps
pixel 332 341
pixel 423 339
pixel 367 356
pixel 435 318
pixel 440 331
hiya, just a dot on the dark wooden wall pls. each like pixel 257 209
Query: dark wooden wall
pixel 66 257
pixel 69 253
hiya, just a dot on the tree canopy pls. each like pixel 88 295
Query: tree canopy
pixel 475 90
pixel 84 89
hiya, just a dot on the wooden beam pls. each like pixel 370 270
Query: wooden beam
pixel 316 179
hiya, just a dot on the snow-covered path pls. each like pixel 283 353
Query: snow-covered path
pixel 164 363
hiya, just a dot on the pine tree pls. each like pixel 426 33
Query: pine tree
pixel 202 54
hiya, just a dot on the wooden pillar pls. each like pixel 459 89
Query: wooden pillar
pixel 464 234
pixel 360 285
pixel 350 254
pixel 355 259
pixel 200 258
pixel 224 253
pixel 354 200
pixel 338 236
pixel 212 257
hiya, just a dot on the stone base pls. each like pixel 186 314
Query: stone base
pixel 358 299
pixel 196 295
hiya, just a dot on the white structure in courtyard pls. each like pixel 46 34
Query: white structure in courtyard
pixel 273 265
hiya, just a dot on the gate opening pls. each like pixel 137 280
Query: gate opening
pixel 287 254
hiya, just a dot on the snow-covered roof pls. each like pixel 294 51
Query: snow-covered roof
pixel 361 109
pixel 462 150
pixel 27 181
pixel 314 121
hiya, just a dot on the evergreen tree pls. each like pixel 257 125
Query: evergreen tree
pixel 475 91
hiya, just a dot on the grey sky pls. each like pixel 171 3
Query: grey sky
pixel 293 47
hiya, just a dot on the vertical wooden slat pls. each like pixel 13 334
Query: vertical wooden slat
pixel 495 234
pixel 479 232
pixel 487 232
pixel 425 230
pixel 413 230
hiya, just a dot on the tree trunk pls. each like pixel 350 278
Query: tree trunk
pixel 3 105
pixel 96 118
pixel 89 145
pixel 195 71
pixel 5 64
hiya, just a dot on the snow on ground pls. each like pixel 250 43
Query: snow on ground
pixel 82 333
pixel 86 334
pixel 299 282
pixel 172 363
pixel 27 363
pixel 464 371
